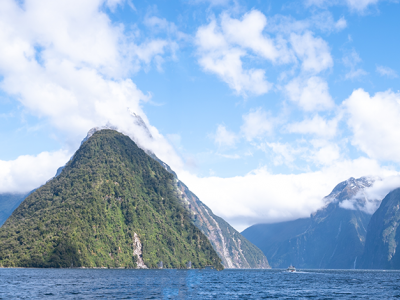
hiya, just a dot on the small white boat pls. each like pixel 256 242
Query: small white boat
pixel 291 269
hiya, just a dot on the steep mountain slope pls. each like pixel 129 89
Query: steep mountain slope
pixel 234 249
pixel 271 239
pixel 8 203
pixel 383 237
pixel 333 237
pixel 111 206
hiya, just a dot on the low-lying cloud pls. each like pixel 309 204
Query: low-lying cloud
pixel 263 197
pixel 28 172
pixel 369 199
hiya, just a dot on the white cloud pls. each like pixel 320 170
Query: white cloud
pixel 149 50
pixel 382 187
pixel 28 172
pixel 66 62
pixel 375 123
pixel 230 156
pixel 302 154
pixel 256 124
pixel 321 21
pixel 226 43
pixel 224 137
pixel 369 199
pixel 263 197
pixel 228 66
pixel 341 24
pixel 284 154
pixel 351 61
pixel 248 33
pixel 213 2
pixel 386 71
pixel 162 25
pixel 355 73
pixel 310 94
pixel 218 56
pixel 354 5
pixel 112 4
pixel 313 51
pixel 325 153
pixel 317 126
pixel 360 5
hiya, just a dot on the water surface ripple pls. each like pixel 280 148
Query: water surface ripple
pixel 197 284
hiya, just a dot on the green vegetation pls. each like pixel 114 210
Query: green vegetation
pixel 87 216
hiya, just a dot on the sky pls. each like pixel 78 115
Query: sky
pixel 261 107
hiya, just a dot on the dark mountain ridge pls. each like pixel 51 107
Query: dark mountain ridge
pixel 8 203
pixel 383 236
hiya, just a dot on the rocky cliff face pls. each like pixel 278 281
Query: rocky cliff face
pixel 233 248
pixel 333 237
pixel 381 247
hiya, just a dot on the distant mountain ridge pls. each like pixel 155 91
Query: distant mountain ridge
pixel 8 203
pixel 332 238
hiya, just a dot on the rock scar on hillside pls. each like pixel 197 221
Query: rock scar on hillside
pixel 137 250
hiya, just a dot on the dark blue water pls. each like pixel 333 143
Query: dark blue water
pixel 197 284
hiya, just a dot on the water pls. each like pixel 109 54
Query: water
pixel 197 284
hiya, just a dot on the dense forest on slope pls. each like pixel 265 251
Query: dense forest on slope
pixel 110 191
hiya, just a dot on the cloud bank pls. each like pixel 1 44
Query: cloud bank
pixel 263 197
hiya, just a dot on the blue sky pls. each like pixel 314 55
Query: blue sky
pixel 261 107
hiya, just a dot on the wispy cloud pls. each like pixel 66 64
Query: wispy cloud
pixel 386 71
pixel 311 94
pixel 358 6
pixel 352 61
pixel 223 137
pixel 256 124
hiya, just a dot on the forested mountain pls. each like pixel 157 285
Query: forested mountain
pixel 383 237
pixel 111 206
pixel 332 238
pixel 234 249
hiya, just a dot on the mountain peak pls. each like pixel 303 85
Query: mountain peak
pixel 349 188
pixel 112 206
